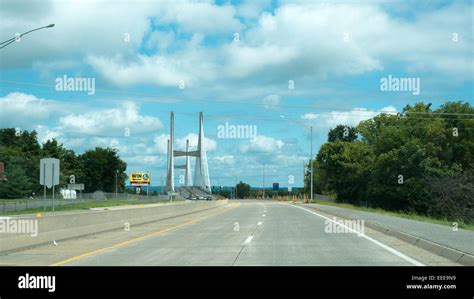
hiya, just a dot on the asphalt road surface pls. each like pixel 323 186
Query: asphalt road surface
pixel 245 233
pixel 254 233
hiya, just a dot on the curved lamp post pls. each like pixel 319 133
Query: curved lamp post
pixel 13 39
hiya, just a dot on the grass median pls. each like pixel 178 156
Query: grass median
pixel 412 216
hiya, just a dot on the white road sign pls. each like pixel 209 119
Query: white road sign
pixel 75 186
pixel 49 172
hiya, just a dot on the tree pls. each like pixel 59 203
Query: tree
pixel 23 150
pixel 18 184
pixel 99 167
pixel 403 161
pixel 344 167
pixel 452 196
pixel 225 193
pixel 342 133
pixel 243 190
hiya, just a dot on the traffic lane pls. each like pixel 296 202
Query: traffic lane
pixel 213 241
pixel 291 236
pixel 255 233
pixel 65 250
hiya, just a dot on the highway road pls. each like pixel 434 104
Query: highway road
pixel 246 233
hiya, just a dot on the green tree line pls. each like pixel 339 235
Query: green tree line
pixel 419 161
pixel 21 154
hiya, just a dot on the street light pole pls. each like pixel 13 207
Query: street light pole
pixel 263 186
pixel 13 39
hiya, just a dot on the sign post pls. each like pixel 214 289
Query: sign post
pixel 49 176
pixel 2 171
pixel 140 179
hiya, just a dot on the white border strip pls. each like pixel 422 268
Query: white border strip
pixel 386 247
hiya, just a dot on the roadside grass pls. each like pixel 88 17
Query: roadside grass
pixel 412 216
pixel 82 206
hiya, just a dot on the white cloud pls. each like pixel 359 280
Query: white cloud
pixel 110 122
pixel 160 40
pixel 20 109
pixel 87 28
pixel 297 40
pixel 307 40
pixel 351 118
pixel 45 133
pixel 81 28
pixel 203 17
pixel 263 144
pixel 224 160
pixel 251 9
pixel 271 101
pixel 143 70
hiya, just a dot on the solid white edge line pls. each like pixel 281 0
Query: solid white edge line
pixel 386 247
pixel 249 239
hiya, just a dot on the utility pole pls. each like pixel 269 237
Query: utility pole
pixel 162 185
pixel 116 183
pixel 263 186
pixel 304 176
pixel 311 162
pixel 235 193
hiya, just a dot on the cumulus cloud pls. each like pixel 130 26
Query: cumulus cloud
pixel 296 40
pixel 80 26
pixel 112 121
pixel 350 118
pixel 20 109
pixel 160 40
pixel 313 40
pixel 250 9
pixel 195 16
pixel 228 160
pixel 262 144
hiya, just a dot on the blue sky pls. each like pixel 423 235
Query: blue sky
pixel 335 52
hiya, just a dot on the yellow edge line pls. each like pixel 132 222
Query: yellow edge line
pixel 138 238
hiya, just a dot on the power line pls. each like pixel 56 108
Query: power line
pixel 173 98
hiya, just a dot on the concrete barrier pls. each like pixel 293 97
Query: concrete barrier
pixel 57 227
